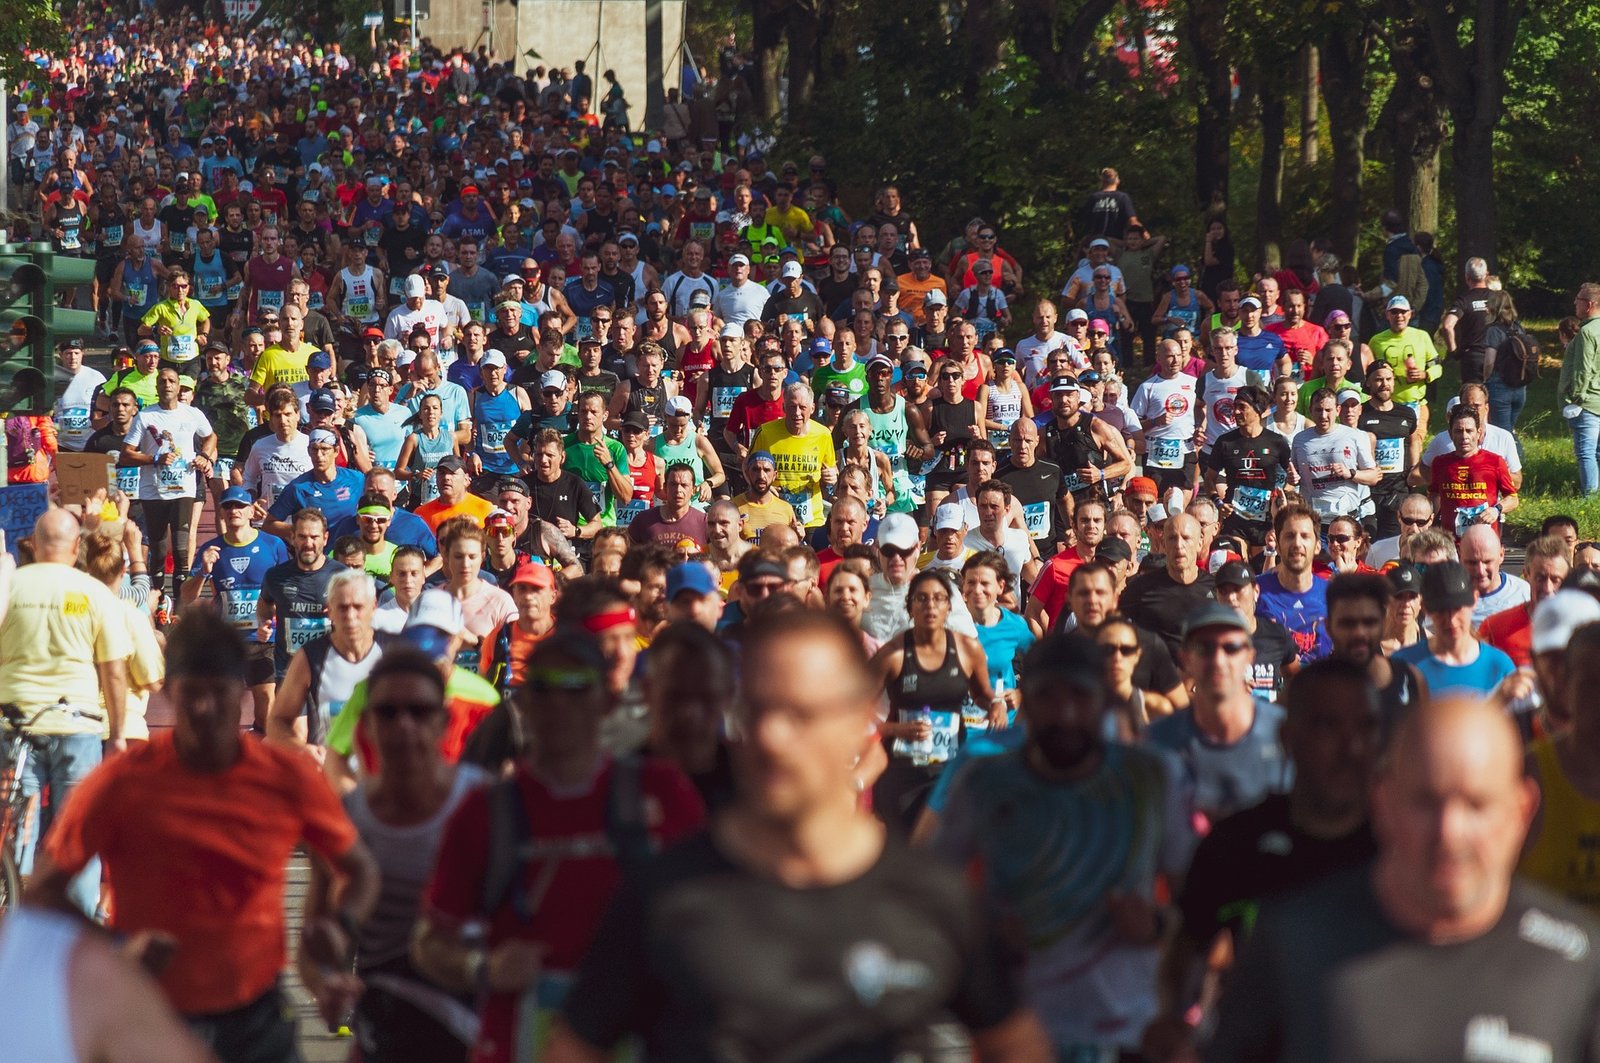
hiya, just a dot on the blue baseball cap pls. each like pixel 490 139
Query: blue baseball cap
pixel 821 345
pixel 236 496
pixel 690 576
pixel 320 360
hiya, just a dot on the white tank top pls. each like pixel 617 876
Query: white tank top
pixel 150 236
pixel 35 965
pixel 338 681
pixel 360 295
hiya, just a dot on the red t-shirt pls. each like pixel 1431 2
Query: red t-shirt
pixel 569 830
pixel 1510 630
pixel 1302 342
pixel 751 411
pixel 1469 484
pixel 1050 586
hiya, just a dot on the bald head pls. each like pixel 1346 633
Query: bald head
pixel 1451 808
pixel 55 537
pixel 1482 553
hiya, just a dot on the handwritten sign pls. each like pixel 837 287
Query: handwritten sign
pixel 20 506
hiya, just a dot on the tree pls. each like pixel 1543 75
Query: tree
pixel 1414 119
pixel 27 24
pixel 1347 89
pixel 1206 42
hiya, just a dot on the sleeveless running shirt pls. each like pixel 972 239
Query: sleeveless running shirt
pixel 1565 857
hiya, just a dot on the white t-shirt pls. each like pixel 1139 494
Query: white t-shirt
pixel 402 319
pixel 273 463
pixel 1166 445
pixel 1217 396
pixel 156 431
pixel 1084 275
pixel 1496 440
pixel 1383 551
pixel 72 413
pixel 1513 591
pixel 1017 549
pixel 736 304
pixel 1033 354
pixel 1315 456
pixel 679 288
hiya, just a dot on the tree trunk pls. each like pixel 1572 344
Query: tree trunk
pixel 1417 128
pixel 767 22
pixel 805 53
pixel 1310 101
pixel 1208 37
pixel 1344 84
pixel 1269 186
pixel 1472 185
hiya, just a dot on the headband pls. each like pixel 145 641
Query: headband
pixel 602 622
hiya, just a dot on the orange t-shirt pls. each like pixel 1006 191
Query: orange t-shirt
pixel 202 856
pixel 436 512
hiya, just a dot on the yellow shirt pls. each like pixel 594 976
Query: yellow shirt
pixel 795 223
pixel 60 624
pixel 1565 857
pixel 800 460
pixel 279 365
pixel 761 515
pixel 182 345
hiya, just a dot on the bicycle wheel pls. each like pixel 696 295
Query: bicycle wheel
pixel 10 881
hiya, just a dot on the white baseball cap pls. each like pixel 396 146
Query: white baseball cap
pixel 949 516
pixel 553 378
pixel 679 406
pixel 437 609
pixel 405 357
pixel 898 531
pixel 738 260
pixel 492 357
pixel 791 270
pixel 1558 616
pixel 416 287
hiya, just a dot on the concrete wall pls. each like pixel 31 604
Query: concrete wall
pixel 461 24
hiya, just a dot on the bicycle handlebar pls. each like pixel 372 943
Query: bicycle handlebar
pixel 14 715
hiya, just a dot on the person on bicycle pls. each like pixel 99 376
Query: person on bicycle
pixel 63 649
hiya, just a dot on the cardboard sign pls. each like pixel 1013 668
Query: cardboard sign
pixel 81 475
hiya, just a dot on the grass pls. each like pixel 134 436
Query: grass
pixel 1549 470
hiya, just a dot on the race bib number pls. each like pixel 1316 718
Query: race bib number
pixel 1165 454
pixel 239 607
pixel 477 311
pixel 235 290
pixel 1391 453
pixel 182 348
pixel 177 242
pixel 370 237
pixel 315 300
pixel 172 481
pixel 585 328
pixel 801 501
pixel 269 300
pixel 1467 516
pixel 1036 517
pixel 722 401
pixel 597 491
pixel 128 480
pixel 492 438
pixel 939 746
pixel 69 239
pixel 974 719
pixel 1001 438
pixel 302 629
pixel 111 236
pixel 1251 503
pixel 358 308
pixel 212 288
pixel 630 510
pixel 397 286
pixel 467 657
pixel 1072 483
pixel 137 292
pixel 73 422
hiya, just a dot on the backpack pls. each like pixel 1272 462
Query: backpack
pixel 1516 358
pixel 511 836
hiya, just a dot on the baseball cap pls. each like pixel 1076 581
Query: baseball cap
pixel 498 518
pixel 879 361
pixel 533 574
pixel 691 576
pixel 416 287
pixel 1213 614
pixel 1399 302
pixel 1112 548
pixel 1405 578
pixel 1004 354
pixel 1250 300
pixel 1099 241
pixel 1142 487
pixel 320 360
pixel 636 420
pixel 628 238
pixel 1349 395
pixel 731 331
pixel 1446 585
pixel 791 270
pixel 1558 616
pixel 679 406
pixel 405 357
pixel 1077 313
pixel 514 484
pixel 510 279
pixel 451 463
pixel 434 619
pixel 372 331
pixel 552 378
pixel 935 298
pixel 738 260
pixel 916 253
pixel 949 516
pixel 898 531
pixel 1063 383
pixel 1233 574
pixel 240 496
pixel 322 402
pixel 821 345
pixel 700 298
pixel 1068 657
pixel 493 357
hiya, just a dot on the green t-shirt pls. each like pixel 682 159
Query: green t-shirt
pixel 854 379
pixel 463 685
pixel 582 463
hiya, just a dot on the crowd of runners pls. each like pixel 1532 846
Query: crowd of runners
pixel 683 618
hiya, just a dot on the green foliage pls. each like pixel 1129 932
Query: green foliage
pixel 27 24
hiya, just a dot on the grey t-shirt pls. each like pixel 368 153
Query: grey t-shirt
pixel 1327 976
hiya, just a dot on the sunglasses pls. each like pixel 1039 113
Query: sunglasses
pixel 1121 649
pixel 1416 522
pixel 951 376
pixel 1230 649
pixel 1341 539
pixel 895 551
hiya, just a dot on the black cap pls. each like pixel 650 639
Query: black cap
pixel 1446 585
pixel 515 484
pixel 451 463
pixel 1066 657
pixel 1213 614
pixel 1405 578
pixel 1112 548
pixel 1233 574
pixel 637 420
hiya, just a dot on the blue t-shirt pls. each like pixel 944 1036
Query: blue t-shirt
pixel 1003 642
pixel 1305 614
pixel 1226 778
pixel 336 499
pixel 386 432
pixel 1479 678
pixel 405 529
pixel 238 574
pixel 1260 353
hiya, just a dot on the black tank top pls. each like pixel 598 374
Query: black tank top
pixel 725 387
pixel 959 422
pixel 942 690
pixel 651 401
pixel 1074 448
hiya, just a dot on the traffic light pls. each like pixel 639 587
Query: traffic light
pixel 29 277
